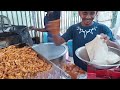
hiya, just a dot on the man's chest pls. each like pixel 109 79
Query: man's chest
pixel 85 34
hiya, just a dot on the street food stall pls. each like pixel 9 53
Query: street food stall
pixel 22 59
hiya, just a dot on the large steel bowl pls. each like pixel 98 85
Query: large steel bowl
pixel 82 54
pixel 53 53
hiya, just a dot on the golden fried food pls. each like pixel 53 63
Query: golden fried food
pixel 21 63
pixel 73 70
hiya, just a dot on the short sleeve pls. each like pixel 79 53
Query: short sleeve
pixel 108 32
pixel 68 34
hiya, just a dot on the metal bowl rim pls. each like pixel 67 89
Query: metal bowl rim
pixel 58 56
pixel 77 54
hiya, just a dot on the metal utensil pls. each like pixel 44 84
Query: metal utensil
pixel 81 53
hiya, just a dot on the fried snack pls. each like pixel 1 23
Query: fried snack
pixel 73 70
pixel 21 63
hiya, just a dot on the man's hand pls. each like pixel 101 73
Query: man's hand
pixel 105 37
pixel 114 44
pixel 32 28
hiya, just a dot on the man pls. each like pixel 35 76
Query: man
pixel 82 33
pixel 50 16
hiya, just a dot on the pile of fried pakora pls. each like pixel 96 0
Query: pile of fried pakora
pixel 21 63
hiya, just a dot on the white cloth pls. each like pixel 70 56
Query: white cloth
pixel 98 52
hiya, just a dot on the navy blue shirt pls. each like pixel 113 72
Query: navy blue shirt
pixel 82 35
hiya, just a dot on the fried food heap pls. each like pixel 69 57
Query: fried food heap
pixel 73 70
pixel 20 63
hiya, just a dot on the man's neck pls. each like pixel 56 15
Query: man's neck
pixel 85 25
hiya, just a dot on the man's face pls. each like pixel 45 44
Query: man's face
pixel 87 17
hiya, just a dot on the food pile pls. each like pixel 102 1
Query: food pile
pixel 21 63
pixel 73 70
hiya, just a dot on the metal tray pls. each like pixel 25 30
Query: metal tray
pixel 54 73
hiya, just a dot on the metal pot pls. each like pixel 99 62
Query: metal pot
pixel 81 53
pixel 9 38
pixel 53 53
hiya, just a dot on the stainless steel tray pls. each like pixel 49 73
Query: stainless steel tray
pixel 54 73
pixel 51 51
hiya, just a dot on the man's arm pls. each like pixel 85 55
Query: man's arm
pixel 41 29
pixel 114 43
pixel 38 29
pixel 109 38
pixel 54 28
pixel 58 40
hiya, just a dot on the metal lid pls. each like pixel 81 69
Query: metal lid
pixel 50 51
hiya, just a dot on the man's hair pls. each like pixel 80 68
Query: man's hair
pixel 54 15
